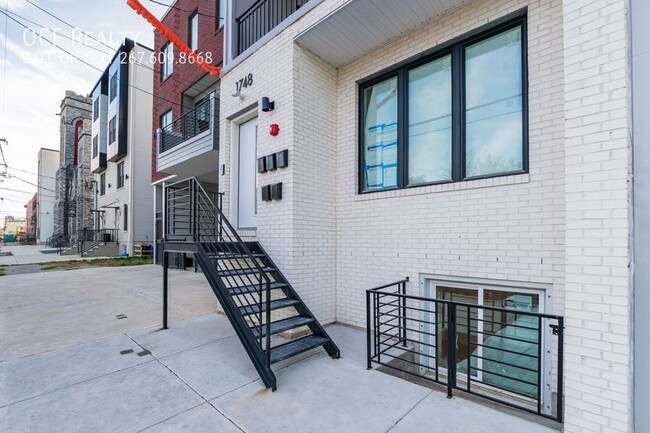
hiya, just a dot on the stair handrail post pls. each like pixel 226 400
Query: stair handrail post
pixel 368 354
pixel 268 324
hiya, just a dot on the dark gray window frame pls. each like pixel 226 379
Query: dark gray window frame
pixel 120 175
pixel 455 48
pixel 191 40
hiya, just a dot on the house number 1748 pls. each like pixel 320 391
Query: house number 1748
pixel 244 82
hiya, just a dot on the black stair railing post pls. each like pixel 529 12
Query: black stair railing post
pixel 268 323
pixel 451 348
pixel 165 286
pixel 560 369
pixel 368 354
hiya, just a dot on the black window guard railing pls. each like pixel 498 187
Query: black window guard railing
pixel 191 124
pixel 261 18
pixel 508 356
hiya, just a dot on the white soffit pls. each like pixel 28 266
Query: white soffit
pixel 360 26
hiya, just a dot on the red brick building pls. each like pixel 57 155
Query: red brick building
pixel 31 215
pixel 177 88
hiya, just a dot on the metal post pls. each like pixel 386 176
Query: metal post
pixel 165 286
pixel 560 369
pixel 404 313
pixel 368 354
pixel 451 349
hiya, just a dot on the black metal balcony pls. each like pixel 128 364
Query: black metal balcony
pixel 261 18
pixel 189 125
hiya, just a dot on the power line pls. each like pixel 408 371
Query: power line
pixel 60 34
pixel 86 63
pixel 4 65
pixel 172 77
pixel 68 24
pixel 13 176
pixel 32 173
pixel 181 9
pixel 18 191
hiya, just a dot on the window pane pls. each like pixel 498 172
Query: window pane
pixel 194 32
pixel 222 13
pixel 429 154
pixel 380 135
pixel 493 97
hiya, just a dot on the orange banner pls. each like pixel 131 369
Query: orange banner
pixel 171 36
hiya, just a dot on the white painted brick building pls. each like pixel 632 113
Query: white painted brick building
pixel 564 222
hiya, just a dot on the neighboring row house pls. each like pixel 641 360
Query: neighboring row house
pixel 473 156
pixel 48 163
pixel 121 125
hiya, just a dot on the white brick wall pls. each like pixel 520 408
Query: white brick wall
pixel 598 389
pixel 563 224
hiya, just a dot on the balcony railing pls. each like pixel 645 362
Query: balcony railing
pixel 505 355
pixel 261 18
pixel 189 125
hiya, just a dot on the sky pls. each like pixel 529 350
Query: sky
pixel 34 75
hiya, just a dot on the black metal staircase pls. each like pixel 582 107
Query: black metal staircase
pixel 257 299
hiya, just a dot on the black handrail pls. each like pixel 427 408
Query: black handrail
pixel 406 332
pixel 192 215
pixel 87 239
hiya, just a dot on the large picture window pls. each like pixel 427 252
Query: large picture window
pixel 456 114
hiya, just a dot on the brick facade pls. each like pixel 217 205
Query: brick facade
pixel 168 94
pixel 563 225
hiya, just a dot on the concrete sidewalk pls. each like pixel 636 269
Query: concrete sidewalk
pixel 72 366
pixel 28 254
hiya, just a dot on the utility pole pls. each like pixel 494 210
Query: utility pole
pixel 3 165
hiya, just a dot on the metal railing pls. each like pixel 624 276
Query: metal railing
pixel 88 239
pixel 505 355
pixel 59 242
pixel 191 124
pixel 261 18
pixel 193 216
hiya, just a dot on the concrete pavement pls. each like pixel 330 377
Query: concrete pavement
pixel 68 364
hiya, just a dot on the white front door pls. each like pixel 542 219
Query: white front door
pixel 247 175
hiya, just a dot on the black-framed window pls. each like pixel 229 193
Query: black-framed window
pixel 126 217
pixel 112 127
pixel 96 110
pixel 95 146
pixel 112 88
pixel 102 184
pixel 193 31
pixel 455 114
pixel 120 175
pixel 167 65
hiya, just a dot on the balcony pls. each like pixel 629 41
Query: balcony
pixel 189 145
pixel 98 162
pixel 260 18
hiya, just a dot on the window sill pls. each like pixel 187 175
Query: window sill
pixel 514 179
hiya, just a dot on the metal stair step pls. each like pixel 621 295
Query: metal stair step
pixel 275 305
pixel 295 347
pixel 284 325
pixel 243 271
pixel 243 290
pixel 232 256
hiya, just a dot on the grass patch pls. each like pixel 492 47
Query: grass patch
pixel 6 253
pixel 95 263
pixel 2 272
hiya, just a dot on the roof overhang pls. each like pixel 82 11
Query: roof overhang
pixel 360 26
